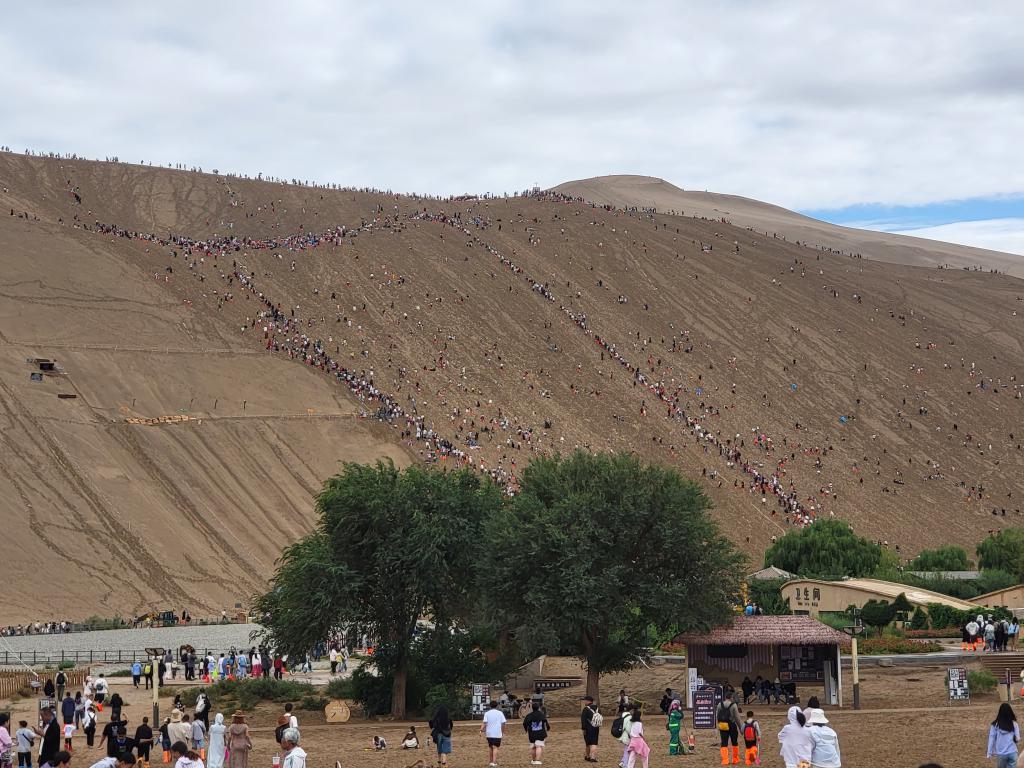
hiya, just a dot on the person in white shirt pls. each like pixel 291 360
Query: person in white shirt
pixel 494 719
pixel 126 760
pixel 333 657
pixel 294 755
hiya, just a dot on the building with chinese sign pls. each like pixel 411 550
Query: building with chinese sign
pixel 798 650
pixel 811 597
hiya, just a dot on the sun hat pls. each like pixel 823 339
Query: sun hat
pixel 175 715
pixel 817 717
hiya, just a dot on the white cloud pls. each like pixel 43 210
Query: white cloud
pixel 806 105
pixel 995 234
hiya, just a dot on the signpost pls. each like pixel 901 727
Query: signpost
pixel 853 630
pixel 959 688
pixel 481 700
pixel 157 655
pixel 705 702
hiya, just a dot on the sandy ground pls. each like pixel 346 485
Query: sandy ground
pixel 905 723
pixel 775 337
pixel 883 246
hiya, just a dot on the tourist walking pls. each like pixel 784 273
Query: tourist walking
pixel 294 755
pixel 441 732
pixel 825 742
pixel 638 746
pixel 239 743
pixel 6 742
pixel 491 729
pixel 144 740
pixel 590 722
pixel 627 721
pixel 215 750
pixel 184 757
pixel 202 709
pixel 537 727
pixel 727 715
pixel 795 739
pixel 62 682
pixel 1003 738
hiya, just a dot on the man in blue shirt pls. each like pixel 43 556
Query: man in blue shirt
pixel 136 673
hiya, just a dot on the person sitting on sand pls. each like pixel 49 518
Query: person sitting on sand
pixel 379 744
pixel 410 740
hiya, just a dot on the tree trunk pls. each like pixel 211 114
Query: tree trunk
pixel 398 690
pixel 593 681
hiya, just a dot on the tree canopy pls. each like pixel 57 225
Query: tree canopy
pixel 878 614
pixel 826 549
pixel 1004 551
pixel 602 556
pixel 941 559
pixel 389 548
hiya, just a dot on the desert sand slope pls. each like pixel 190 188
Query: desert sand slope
pixel 884 394
pixel 647 191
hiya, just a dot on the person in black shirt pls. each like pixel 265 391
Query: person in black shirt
pixel 50 731
pixel 121 744
pixel 536 726
pixel 109 735
pixel 116 702
pixel 144 739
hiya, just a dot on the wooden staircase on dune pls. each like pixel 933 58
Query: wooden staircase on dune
pixel 1001 663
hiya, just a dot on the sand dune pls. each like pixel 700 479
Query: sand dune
pixel 648 191
pixel 885 394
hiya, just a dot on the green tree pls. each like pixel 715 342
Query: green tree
pixel 602 557
pixel 1003 551
pixel 767 594
pixel 993 579
pixel 941 559
pixel 389 547
pixel 826 549
pixel 878 614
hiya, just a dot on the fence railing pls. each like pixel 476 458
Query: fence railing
pixel 53 658
pixel 12 682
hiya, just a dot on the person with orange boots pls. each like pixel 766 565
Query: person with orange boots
pixel 752 740
pixel 728 716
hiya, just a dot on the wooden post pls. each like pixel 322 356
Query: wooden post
pixel 856 674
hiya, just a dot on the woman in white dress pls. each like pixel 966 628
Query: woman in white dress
pixel 215 752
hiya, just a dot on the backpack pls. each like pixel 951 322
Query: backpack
pixel 724 717
pixel 750 732
pixel 279 732
pixel 617 725
pixel 596 720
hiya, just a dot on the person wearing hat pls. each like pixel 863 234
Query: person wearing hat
pixel 178 730
pixel 239 743
pixel 825 742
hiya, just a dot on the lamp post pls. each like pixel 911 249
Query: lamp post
pixel 853 630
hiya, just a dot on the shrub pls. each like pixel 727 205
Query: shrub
pixel 68 664
pixel 340 688
pixel 934 632
pixel 919 620
pixel 458 704
pixel 372 691
pixel 313 702
pixel 247 693
pixel 981 681
pixel 880 646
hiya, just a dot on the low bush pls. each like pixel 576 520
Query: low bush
pixel 879 646
pixel 981 681
pixel 340 688
pixel 672 649
pixel 68 664
pixel 458 704
pixel 247 693
pixel 936 632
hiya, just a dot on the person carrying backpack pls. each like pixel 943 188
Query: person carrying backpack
pixel 536 726
pixel 752 739
pixel 727 715
pixel 620 731
pixel 590 721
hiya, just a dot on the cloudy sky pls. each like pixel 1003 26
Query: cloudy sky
pixel 895 116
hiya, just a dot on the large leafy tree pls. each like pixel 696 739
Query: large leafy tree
pixel 601 556
pixel 941 559
pixel 825 549
pixel 1003 551
pixel 389 548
